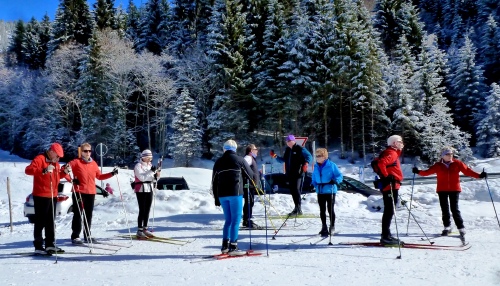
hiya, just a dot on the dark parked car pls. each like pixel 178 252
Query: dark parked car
pixel 276 183
pixel 172 183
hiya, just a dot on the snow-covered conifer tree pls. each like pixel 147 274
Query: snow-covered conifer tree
pixel 73 22
pixel 187 133
pixel 488 128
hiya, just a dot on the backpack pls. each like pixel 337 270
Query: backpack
pixel 378 182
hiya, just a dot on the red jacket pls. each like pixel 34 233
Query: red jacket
pixel 86 173
pixel 388 164
pixel 448 176
pixel 43 183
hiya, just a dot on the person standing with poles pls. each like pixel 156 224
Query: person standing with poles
pixel 228 175
pixel 296 159
pixel 448 187
pixel 46 173
pixel 248 195
pixel 85 172
pixel 325 178
pixel 391 177
pixel 145 175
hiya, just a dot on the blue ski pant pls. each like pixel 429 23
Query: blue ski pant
pixel 232 207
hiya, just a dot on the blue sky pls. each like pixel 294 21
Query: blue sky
pixel 13 10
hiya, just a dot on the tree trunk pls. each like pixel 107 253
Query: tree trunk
pixel 325 120
pixel 351 129
pixel 342 146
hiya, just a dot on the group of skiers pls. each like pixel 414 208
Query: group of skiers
pixel 81 173
pixel 234 179
pixel 447 170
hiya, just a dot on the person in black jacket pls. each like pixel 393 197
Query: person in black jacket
pixel 227 187
pixel 296 159
pixel 250 155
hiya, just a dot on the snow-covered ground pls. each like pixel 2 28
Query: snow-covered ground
pixel 191 215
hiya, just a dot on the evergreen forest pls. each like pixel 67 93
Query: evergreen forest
pixel 180 77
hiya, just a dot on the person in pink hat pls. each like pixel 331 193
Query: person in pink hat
pixel 46 173
pixel 109 189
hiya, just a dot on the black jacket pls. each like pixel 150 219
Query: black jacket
pixel 227 176
pixel 294 158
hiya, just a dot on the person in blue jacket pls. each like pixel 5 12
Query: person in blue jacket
pixel 325 179
pixel 296 159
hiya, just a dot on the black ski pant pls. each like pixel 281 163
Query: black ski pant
pixel 453 197
pixel 327 203
pixel 144 199
pixel 248 206
pixel 83 207
pixel 45 211
pixel 295 184
pixel 389 205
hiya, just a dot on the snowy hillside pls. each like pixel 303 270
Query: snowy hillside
pixel 191 216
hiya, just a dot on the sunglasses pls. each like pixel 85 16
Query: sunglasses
pixel 319 156
pixel 86 151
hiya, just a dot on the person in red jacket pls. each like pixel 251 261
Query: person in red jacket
pixel 448 188
pixel 46 173
pixel 391 176
pixel 85 171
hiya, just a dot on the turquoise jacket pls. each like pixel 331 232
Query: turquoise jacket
pixel 325 177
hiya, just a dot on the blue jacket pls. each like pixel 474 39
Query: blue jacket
pixel 324 175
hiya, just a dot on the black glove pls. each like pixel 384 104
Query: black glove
pixel 483 175
pixel 388 180
pixel 105 194
pixel 115 171
pixel 153 168
pixel 217 202
pixel 415 170
pixel 76 182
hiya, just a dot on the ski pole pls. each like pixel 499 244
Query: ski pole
pixel 81 212
pixel 265 218
pixel 123 206
pixel 395 220
pixel 491 197
pixel 248 214
pixel 332 202
pixel 411 199
pixel 431 242
pixel 288 216
pixel 53 215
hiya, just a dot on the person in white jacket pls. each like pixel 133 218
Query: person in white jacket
pixel 145 174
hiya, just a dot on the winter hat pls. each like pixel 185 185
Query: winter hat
pixel 447 150
pixel 393 139
pixel 56 147
pixel 230 145
pixel 146 153
pixel 290 138
pixel 107 185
